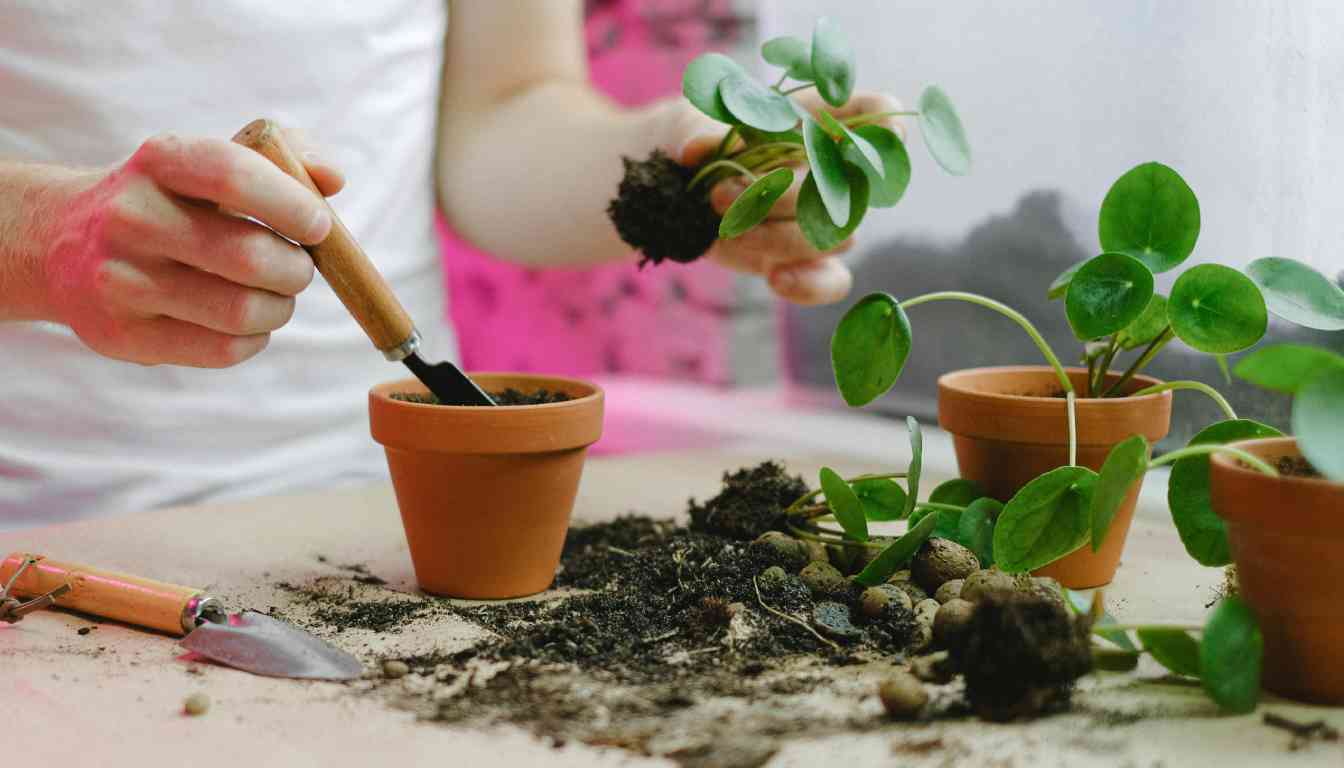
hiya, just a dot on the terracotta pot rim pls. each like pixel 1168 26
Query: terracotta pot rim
pixel 1267 448
pixel 950 381
pixel 385 390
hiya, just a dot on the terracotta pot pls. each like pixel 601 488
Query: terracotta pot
pixel 1009 428
pixel 1287 539
pixel 486 493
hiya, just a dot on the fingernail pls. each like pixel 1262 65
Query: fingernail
pixel 318 226
pixel 784 280
pixel 313 158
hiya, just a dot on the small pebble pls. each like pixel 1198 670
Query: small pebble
pixel 903 695
pixel 394 669
pixel 951 623
pixel 990 581
pixel 773 574
pixel 833 620
pixel 933 668
pixel 816 552
pixel 873 602
pixel 939 561
pixel 196 704
pixel 823 580
pixel 949 591
pixel 925 611
pixel 897 595
pixel 85 630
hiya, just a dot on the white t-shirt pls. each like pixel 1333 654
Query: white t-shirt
pixel 85 83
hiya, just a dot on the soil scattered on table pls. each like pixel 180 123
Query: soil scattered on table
pixel 1296 466
pixel 509 396
pixel 752 502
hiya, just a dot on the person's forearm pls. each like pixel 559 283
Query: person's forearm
pixel 529 178
pixel 29 201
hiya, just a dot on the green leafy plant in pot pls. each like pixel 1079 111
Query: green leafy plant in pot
pixel 852 163
pixel 1054 426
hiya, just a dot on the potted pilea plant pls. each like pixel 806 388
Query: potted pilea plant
pixel 1053 427
pixel 852 163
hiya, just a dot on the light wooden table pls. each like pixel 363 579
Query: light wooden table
pixel 113 696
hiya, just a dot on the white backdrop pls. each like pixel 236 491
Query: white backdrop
pixel 1244 97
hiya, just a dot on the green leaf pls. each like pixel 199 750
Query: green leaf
pixel 832 63
pixel 957 492
pixel 1114 660
pixel 754 137
pixel 815 220
pixel 882 499
pixel 1217 309
pixel 1299 294
pixel 790 53
pixel 1108 293
pixel 1174 649
pixel 1124 466
pixel 756 105
pixel 869 159
pixel 943 133
pixel 886 189
pixel 844 504
pixel 975 530
pixel 1082 605
pixel 1286 367
pixel 834 128
pixel 1318 422
pixel 1044 521
pixel 916 463
pixel 754 204
pixel 828 173
pixel 869 348
pixel 1231 655
pixel 890 560
pixel 1059 287
pixel 1147 326
pixel 1203 532
pixel 1151 214
pixel 700 84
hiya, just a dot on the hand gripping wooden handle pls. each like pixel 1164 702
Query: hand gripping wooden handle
pixel 339 258
pixel 143 602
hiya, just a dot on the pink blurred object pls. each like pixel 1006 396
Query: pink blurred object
pixel 671 322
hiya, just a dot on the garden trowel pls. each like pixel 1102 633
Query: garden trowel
pixel 361 287
pixel 250 641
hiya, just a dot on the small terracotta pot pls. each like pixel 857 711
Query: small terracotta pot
pixel 1287 539
pixel 1008 429
pixel 486 493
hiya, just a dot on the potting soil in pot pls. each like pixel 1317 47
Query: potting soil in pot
pixel 710 644
pixel 508 396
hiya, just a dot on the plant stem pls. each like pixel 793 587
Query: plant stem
pixel 819 534
pixel 728 139
pixel 1156 346
pixel 1208 450
pixel 1107 358
pixel 872 117
pixel 1197 386
pixel 1071 405
pixel 723 163
pixel 782 77
pixel 798 88
pixel 1006 311
pixel 796 506
pixel 1136 627
pixel 936 507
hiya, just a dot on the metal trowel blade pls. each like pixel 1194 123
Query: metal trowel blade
pixel 262 645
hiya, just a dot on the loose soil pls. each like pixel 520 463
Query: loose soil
pixel 509 396
pixel 1296 466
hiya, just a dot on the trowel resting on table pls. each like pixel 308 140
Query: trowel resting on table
pixel 361 287
pixel 250 641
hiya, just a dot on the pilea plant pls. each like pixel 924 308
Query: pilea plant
pixel 1148 223
pixel 852 163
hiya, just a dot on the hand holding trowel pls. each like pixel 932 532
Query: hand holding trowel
pixel 250 641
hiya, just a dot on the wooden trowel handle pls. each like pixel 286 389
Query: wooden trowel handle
pixel 118 596
pixel 339 258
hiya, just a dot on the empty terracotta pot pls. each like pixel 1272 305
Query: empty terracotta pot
pixel 1287 539
pixel 1009 427
pixel 486 493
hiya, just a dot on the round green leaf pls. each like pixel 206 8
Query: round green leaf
pixel 754 204
pixel 1318 422
pixel 943 133
pixel 844 504
pixel 1299 294
pixel 1147 326
pixel 1217 309
pixel 957 492
pixel 975 530
pixel 756 105
pixel 897 554
pixel 790 53
pixel 1231 655
pixel 700 84
pixel 1044 521
pixel 882 499
pixel 1108 293
pixel 1124 466
pixel 1203 532
pixel 868 158
pixel 869 348
pixel 1151 214
pixel 885 189
pixel 916 463
pixel 828 171
pixel 815 220
pixel 1114 659
pixel 1286 367
pixel 1059 287
pixel 1174 649
pixel 832 63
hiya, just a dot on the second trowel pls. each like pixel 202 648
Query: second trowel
pixel 361 288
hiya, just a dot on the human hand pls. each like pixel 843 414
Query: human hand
pixel 152 262
pixel 776 248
